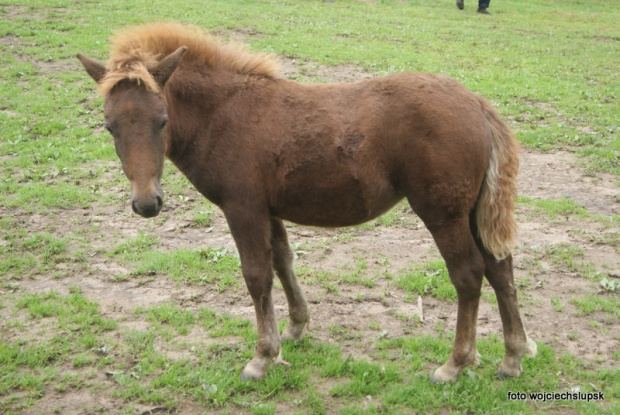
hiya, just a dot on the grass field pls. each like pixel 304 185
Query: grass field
pixel 102 312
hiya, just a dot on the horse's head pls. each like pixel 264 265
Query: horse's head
pixel 135 114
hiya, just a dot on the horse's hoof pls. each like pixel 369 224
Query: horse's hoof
pixel 279 361
pixel 503 373
pixel 287 336
pixel 255 370
pixel 435 380
pixel 440 376
pixel 477 359
pixel 246 378
pixel 295 333
pixel 532 348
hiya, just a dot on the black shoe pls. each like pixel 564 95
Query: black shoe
pixel 483 10
pixel 460 5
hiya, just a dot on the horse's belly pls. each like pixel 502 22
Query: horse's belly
pixel 334 202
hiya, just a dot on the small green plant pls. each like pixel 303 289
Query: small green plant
pixel 136 246
pixel 169 314
pixel 610 285
pixel 557 304
pixel 571 257
pixel 203 218
pixel 591 303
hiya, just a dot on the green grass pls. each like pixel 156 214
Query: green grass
pixel 168 315
pixel 142 370
pixel 205 266
pixel 73 329
pixel 30 255
pixel 132 247
pixel 557 304
pixel 428 279
pixel 550 69
pixel 564 207
pixel 200 266
pixel 568 256
pixel 332 281
pixel 592 303
pixel 203 217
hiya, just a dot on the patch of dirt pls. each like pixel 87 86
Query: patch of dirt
pixel 292 68
pixel 558 175
pixel 10 40
pixel 33 13
pixel 299 69
pixel 8 112
pixel 79 401
pixel 51 67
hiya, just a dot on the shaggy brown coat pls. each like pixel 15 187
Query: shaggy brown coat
pixel 266 149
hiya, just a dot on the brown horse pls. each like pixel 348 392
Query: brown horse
pixel 267 149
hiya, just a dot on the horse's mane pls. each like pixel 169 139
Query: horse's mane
pixel 138 48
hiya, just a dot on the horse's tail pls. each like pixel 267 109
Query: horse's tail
pixel 495 208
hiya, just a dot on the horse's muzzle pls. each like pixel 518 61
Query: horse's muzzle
pixel 147 207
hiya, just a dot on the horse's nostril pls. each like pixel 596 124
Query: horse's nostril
pixel 134 207
pixel 160 203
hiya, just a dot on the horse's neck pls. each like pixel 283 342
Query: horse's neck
pixel 190 88
pixel 193 99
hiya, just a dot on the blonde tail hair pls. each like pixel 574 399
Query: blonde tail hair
pixel 495 209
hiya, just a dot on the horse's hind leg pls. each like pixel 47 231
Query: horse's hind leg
pixel 465 266
pixel 283 264
pixel 500 276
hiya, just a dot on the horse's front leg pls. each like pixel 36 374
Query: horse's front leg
pixel 283 264
pixel 251 232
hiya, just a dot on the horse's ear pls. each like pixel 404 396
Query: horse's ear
pixel 94 68
pixel 166 67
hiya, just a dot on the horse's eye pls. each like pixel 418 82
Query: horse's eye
pixel 163 123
